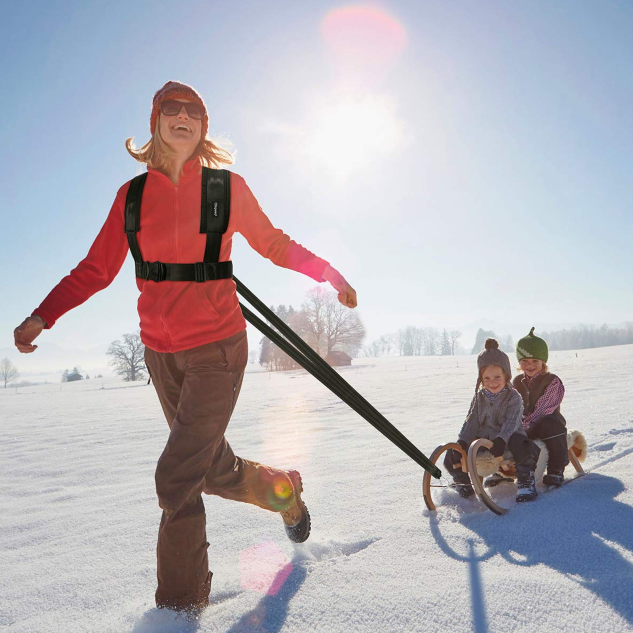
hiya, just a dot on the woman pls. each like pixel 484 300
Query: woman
pixel 194 333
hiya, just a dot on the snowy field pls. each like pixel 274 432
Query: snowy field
pixel 79 518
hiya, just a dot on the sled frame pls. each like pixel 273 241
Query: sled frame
pixel 468 465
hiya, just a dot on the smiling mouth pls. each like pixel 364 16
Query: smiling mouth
pixel 182 127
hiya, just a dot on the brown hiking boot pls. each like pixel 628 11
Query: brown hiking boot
pixel 296 517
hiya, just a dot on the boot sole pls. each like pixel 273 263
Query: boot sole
pixel 300 532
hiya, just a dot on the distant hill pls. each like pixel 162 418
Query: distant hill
pixel 49 360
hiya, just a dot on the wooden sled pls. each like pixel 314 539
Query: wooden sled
pixel 469 465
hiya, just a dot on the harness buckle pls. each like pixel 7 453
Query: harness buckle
pixel 156 271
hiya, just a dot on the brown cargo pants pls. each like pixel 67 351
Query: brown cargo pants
pixel 198 389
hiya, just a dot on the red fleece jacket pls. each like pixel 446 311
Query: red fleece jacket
pixel 178 315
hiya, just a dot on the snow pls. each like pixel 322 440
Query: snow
pixel 79 514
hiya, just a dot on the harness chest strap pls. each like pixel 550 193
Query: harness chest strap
pixel 214 219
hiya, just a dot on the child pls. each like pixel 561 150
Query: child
pixel 542 394
pixel 495 413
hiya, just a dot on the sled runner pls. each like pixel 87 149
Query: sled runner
pixel 482 464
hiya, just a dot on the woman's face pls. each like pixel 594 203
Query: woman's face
pixel 180 131
pixel 531 366
pixel 493 378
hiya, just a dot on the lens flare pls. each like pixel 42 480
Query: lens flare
pixel 283 490
pixel 264 568
pixel 280 493
pixel 363 40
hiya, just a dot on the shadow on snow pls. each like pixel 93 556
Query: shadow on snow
pixel 575 531
pixel 270 613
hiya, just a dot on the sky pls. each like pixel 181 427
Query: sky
pixel 457 162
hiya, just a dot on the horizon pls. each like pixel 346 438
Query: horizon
pixel 38 370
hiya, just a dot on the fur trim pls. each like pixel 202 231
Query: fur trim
pixel 577 442
pixel 541 464
pixel 488 465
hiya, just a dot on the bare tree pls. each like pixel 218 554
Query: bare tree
pixel 8 371
pixel 418 337
pixel 373 350
pixel 380 347
pixel 312 323
pixel 265 354
pixel 430 341
pixel 405 341
pixel 454 335
pixel 327 325
pixel 270 355
pixel 445 347
pixel 127 357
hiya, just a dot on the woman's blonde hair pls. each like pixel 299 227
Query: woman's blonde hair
pixel 158 155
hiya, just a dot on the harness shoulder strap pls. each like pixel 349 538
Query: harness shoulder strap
pixel 214 220
pixel 133 214
pixel 215 209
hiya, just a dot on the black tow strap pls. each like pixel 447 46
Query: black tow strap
pixel 214 219
pixel 293 345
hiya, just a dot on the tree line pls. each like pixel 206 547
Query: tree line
pixel 588 336
pixel 322 322
pixel 327 327
pixel 415 341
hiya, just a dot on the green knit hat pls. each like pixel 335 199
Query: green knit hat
pixel 531 346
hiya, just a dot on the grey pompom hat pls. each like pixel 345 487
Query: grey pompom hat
pixel 492 355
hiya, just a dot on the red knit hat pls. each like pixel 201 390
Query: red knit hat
pixel 176 90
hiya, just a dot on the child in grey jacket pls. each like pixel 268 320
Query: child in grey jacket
pixel 496 413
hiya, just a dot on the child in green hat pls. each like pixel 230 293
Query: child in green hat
pixel 542 394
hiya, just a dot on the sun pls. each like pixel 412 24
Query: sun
pixel 350 134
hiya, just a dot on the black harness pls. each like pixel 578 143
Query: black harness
pixel 215 209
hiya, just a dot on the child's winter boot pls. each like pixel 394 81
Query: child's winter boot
pixel 554 478
pixel 526 486
pixel 463 485
pixel 496 479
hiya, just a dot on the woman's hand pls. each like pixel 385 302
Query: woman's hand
pixel 346 294
pixel 27 332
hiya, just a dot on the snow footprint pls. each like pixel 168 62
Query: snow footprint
pixel 223 596
pixel 604 447
pixel 317 552
pixel 610 445
pixel 620 431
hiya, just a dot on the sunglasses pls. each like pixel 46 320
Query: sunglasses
pixel 171 107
